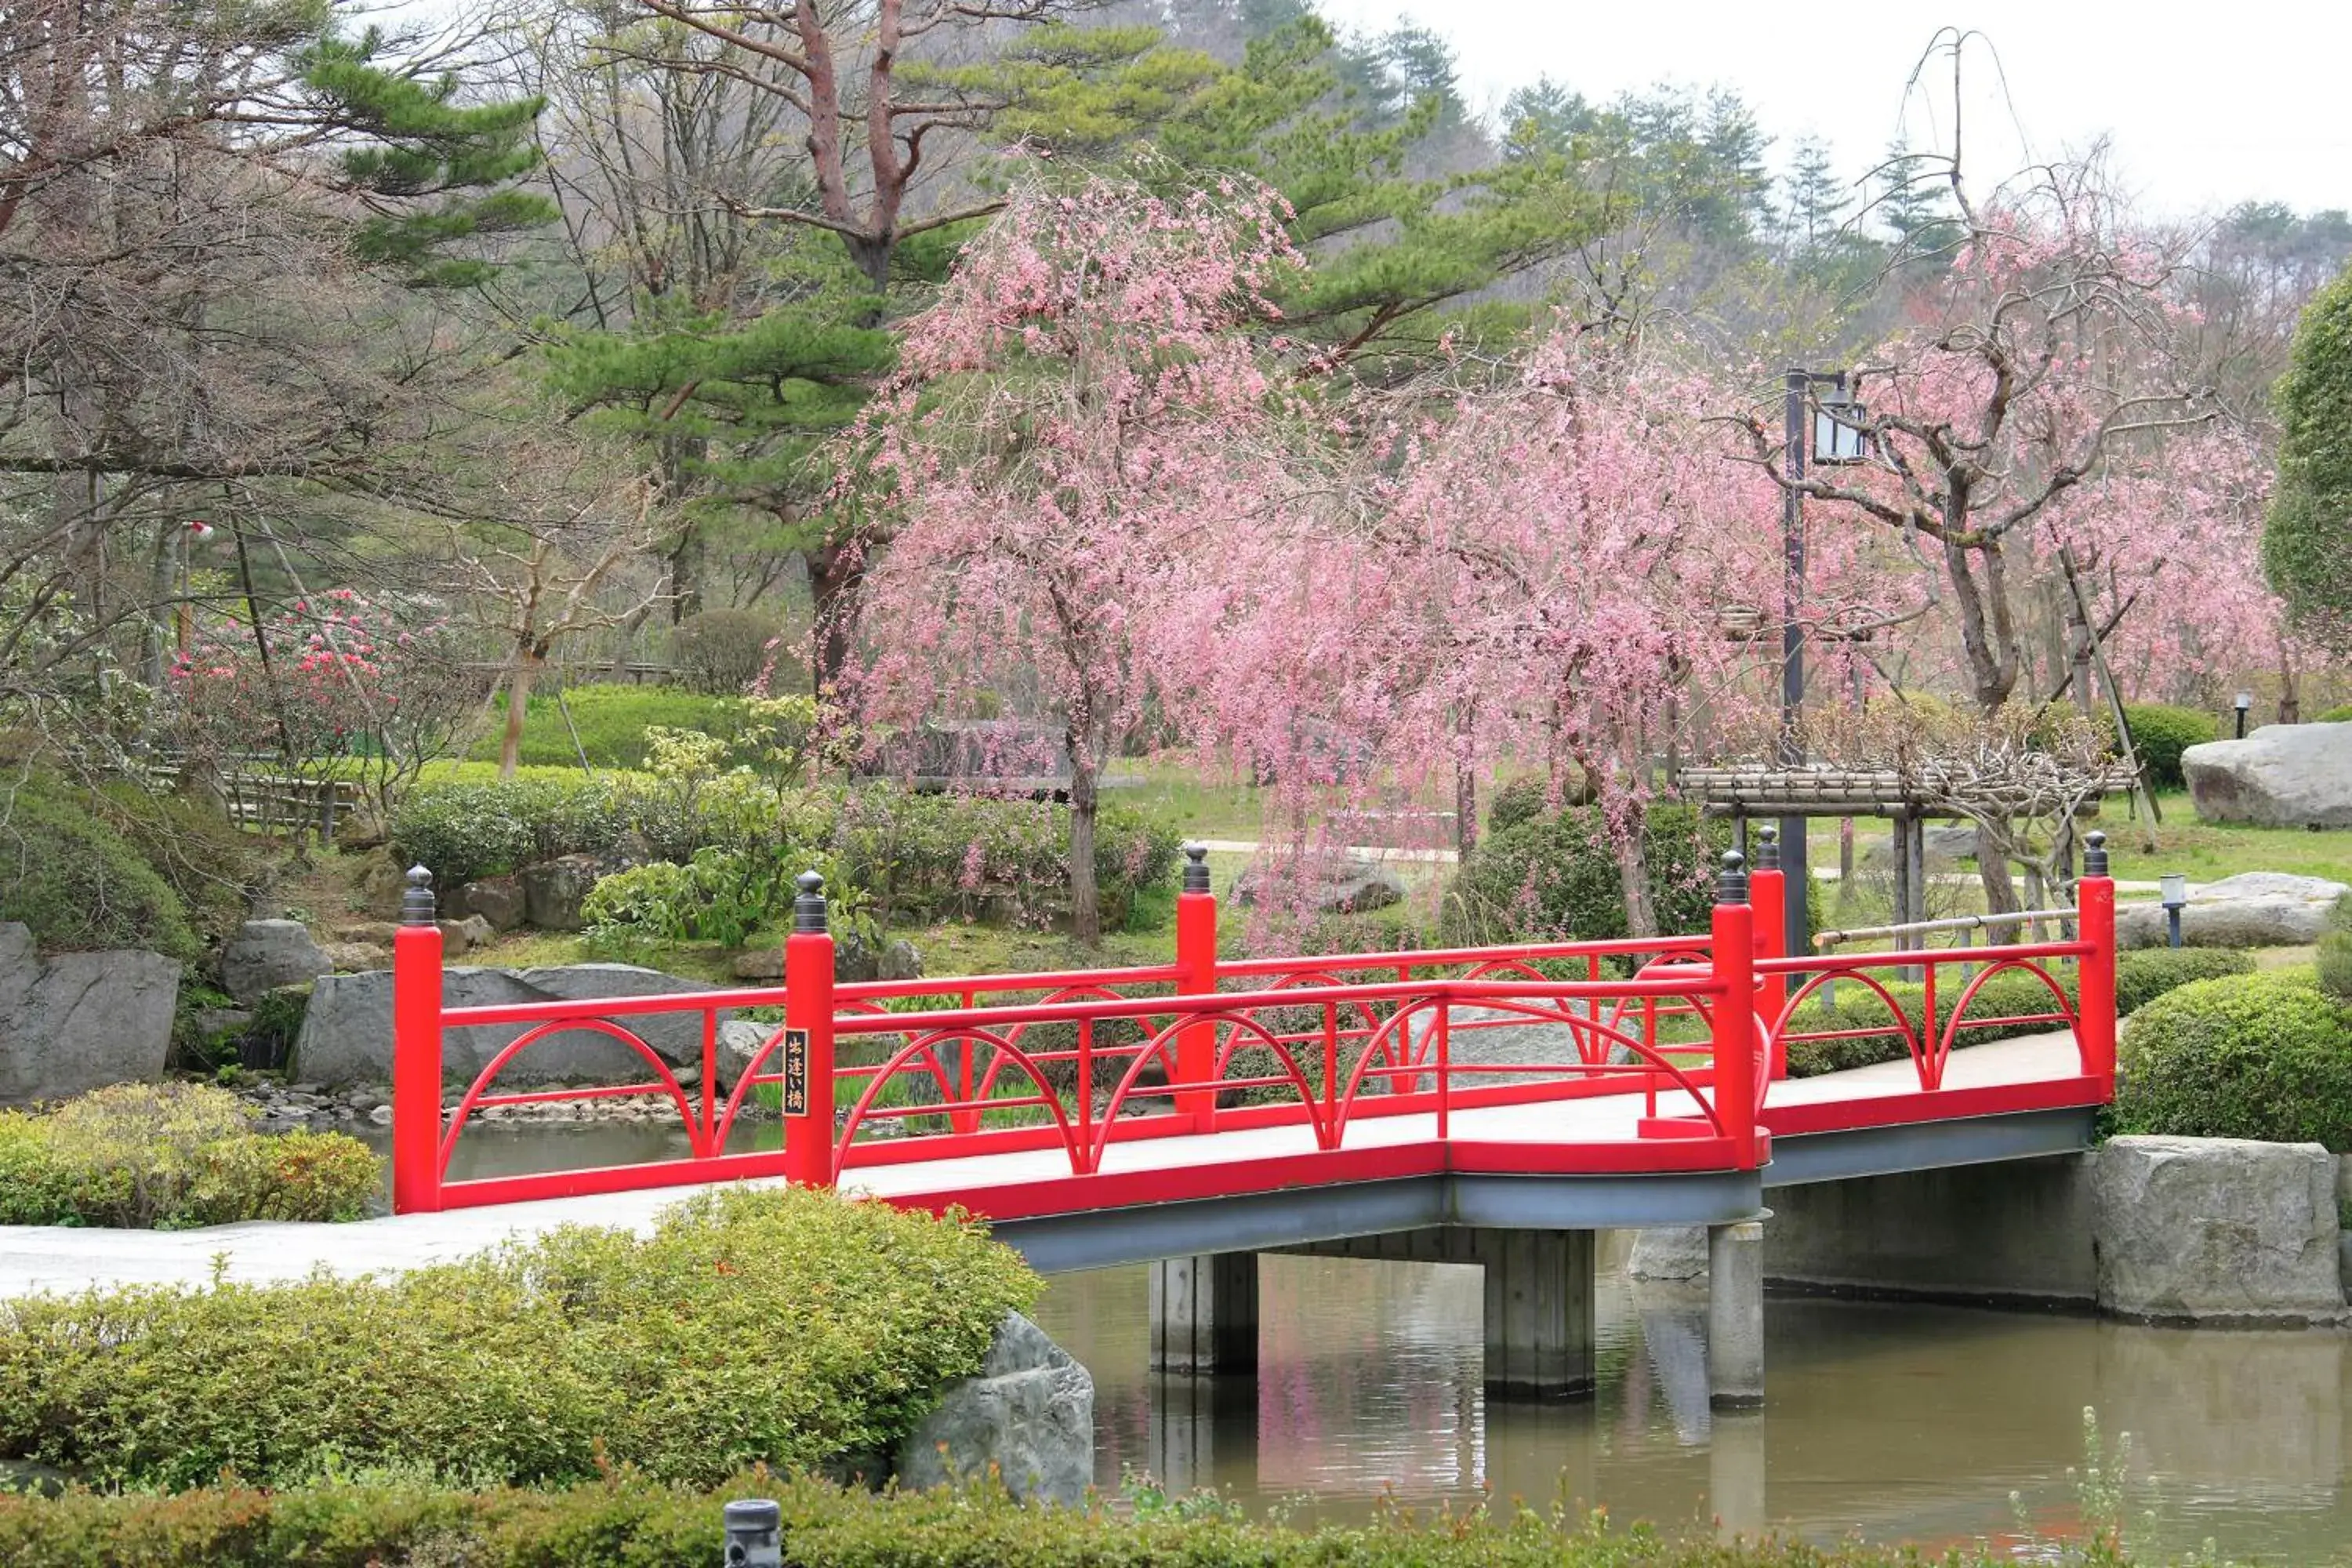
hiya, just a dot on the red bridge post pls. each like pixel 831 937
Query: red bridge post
pixel 1196 957
pixel 1735 1010
pixel 807 1050
pixel 1768 900
pixel 417 1051
pixel 2094 988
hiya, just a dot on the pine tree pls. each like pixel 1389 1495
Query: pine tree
pixel 1915 207
pixel 2307 537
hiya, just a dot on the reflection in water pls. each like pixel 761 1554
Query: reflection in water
pixel 1895 1421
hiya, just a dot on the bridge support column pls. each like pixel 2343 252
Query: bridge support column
pixel 1735 1474
pixel 1735 1314
pixel 1204 1314
pixel 1196 1424
pixel 1539 1313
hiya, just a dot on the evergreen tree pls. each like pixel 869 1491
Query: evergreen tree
pixel 2307 537
pixel 1915 207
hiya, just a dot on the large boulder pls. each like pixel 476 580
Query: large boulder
pixel 2216 1230
pixel 1029 1415
pixel 266 954
pixel 1674 1253
pixel 347 1030
pixel 554 890
pixel 498 899
pixel 2253 908
pixel 2282 776
pixel 78 1021
pixel 1319 884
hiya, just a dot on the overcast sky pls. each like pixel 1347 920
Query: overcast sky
pixel 2206 105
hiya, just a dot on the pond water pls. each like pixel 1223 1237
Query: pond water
pixel 1895 1421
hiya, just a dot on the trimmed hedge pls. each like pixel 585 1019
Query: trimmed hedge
pixel 788 1327
pixel 629 1522
pixel 2334 959
pixel 2140 977
pixel 2262 1055
pixel 612 721
pixel 1552 876
pixel 2161 732
pixel 171 1156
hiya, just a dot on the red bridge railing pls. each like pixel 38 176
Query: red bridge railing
pixel 1073 1064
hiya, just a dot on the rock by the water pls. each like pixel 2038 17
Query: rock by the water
pixel 1668 1252
pixel 355 957
pixel 2253 908
pixel 212 1023
pixel 498 899
pixel 346 1035
pixel 759 964
pixel 741 1040
pixel 2216 1230
pixel 78 1021
pixel 1319 884
pixel 266 954
pixel 552 890
pixel 2282 776
pixel 1030 1415
pixel 901 960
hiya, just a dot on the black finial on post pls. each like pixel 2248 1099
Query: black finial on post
pixel 808 909
pixel 2094 855
pixel 1731 887
pixel 1768 848
pixel 416 904
pixel 1196 868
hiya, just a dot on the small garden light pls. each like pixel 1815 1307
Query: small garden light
pixel 2245 704
pixel 2176 895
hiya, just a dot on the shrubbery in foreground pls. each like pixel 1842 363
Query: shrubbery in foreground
pixel 629 1521
pixel 170 1156
pixel 784 1327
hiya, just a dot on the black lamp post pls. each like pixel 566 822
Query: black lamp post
pixel 1839 437
pixel 2245 703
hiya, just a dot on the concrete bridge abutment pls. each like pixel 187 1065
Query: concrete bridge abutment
pixel 1539 1313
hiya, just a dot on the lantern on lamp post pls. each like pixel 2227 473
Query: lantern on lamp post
pixel 2245 705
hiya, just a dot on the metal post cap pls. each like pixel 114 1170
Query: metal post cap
pixel 1731 887
pixel 1196 868
pixel 808 909
pixel 416 904
pixel 2094 855
pixel 754 1533
pixel 1768 848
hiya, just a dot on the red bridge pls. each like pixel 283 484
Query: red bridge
pixel 1210 1109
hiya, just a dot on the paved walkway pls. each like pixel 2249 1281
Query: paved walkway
pixel 62 1259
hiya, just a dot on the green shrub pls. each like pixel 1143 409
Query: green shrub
pixel 172 1155
pixel 2161 733
pixel 2146 973
pixel 1521 800
pixel 722 652
pixel 460 831
pixel 2333 964
pixel 2336 716
pixel 78 884
pixel 791 1327
pixel 278 1022
pixel 1554 876
pixel 209 861
pixel 2262 1055
pixel 631 1521
pixel 612 721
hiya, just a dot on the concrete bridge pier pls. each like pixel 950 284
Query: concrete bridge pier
pixel 1735 1474
pixel 1195 1420
pixel 1735 1314
pixel 1204 1314
pixel 1539 1315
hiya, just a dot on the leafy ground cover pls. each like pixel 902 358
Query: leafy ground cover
pixel 171 1156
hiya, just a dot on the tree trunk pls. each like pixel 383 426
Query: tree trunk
pixel 1632 851
pixel 1086 900
pixel 1465 789
pixel 518 702
pixel 1992 874
pixel 836 570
